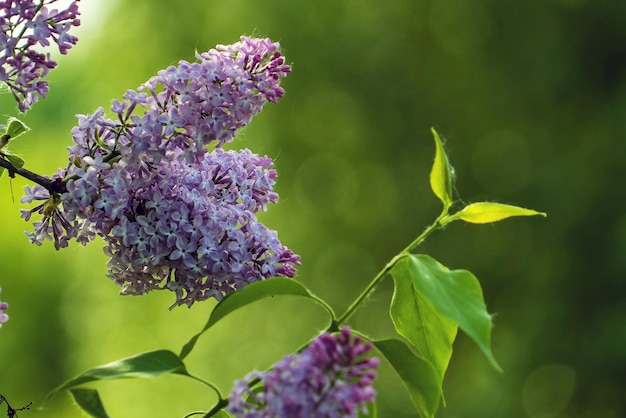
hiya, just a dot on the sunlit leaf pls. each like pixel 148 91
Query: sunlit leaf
pixel 89 401
pixel 15 128
pixel 144 365
pixel 455 294
pixel 417 375
pixel 249 294
pixel 415 318
pixel 487 212
pixel 441 173
pixel 16 161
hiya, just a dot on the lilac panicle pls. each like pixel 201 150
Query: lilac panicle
pixel 25 26
pixel 331 378
pixel 185 108
pixel 3 307
pixel 174 215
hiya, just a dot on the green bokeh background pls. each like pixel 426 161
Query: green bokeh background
pixel 531 96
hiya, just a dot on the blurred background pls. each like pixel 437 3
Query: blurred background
pixel 531 97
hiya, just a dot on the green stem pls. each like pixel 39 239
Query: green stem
pixel 221 404
pixel 381 274
pixel 209 384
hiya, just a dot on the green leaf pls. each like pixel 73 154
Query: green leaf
pixel 249 294
pixel 144 365
pixel 89 401
pixel 417 375
pixel 487 212
pixel 441 173
pixel 219 414
pixel 455 294
pixel 16 161
pixel 1 171
pixel 15 128
pixel 417 320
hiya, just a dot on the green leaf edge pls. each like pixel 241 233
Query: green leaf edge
pixel 516 211
pixel 128 367
pixel 417 375
pixel 89 401
pixel 253 292
pixel 441 173
pixel 447 311
pixel 398 322
pixel 16 161
pixel 15 128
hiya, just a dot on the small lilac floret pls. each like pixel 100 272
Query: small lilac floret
pixel 331 378
pixel 26 24
pixel 174 215
pixel 3 316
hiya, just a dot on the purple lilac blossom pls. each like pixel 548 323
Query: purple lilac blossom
pixel 331 378
pixel 26 24
pixel 174 215
pixel 3 307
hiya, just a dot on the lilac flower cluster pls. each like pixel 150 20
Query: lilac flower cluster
pixel 3 307
pixel 173 214
pixel 25 24
pixel 329 379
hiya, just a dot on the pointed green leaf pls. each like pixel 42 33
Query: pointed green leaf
pixel 454 293
pixel 89 401
pixel 441 173
pixel 144 365
pixel 487 212
pixel 16 161
pixel 418 376
pixel 219 414
pixel 15 128
pixel 1 171
pixel 249 294
pixel 415 318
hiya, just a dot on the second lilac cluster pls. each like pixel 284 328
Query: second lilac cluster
pixel 24 25
pixel 331 378
pixel 173 214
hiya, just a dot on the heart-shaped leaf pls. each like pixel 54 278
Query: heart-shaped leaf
pixel 455 294
pixel 417 320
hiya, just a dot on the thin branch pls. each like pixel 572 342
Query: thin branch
pixel 53 186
